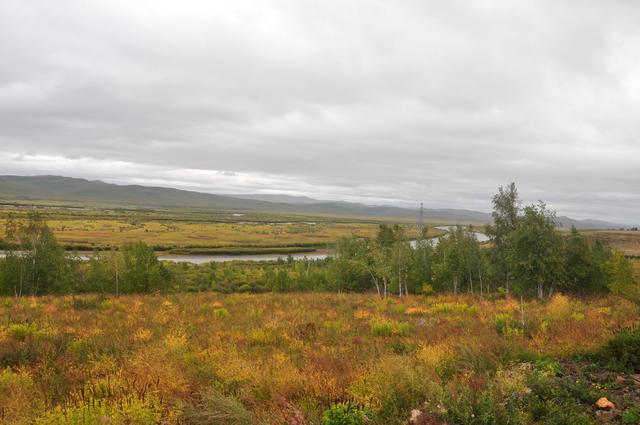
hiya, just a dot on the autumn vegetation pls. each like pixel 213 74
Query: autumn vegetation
pixel 532 327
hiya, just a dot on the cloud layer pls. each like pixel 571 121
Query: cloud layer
pixel 376 101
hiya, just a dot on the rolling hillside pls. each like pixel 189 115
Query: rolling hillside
pixel 67 189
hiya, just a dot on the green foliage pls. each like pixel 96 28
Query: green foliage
pixel 22 331
pixel 39 267
pixel 536 250
pixel 453 308
pixel 459 262
pixel 579 265
pixel 481 408
pixel 506 325
pixel 506 208
pixel 622 351
pixel 622 281
pixel 631 416
pixel 558 400
pixel 548 366
pixel 142 271
pixel 220 313
pixel 427 289
pixel 346 414
pixel 389 328
pixel 80 349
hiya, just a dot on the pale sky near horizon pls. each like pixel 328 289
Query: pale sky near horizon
pixel 374 101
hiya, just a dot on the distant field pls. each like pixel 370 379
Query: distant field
pixel 183 230
pixel 627 241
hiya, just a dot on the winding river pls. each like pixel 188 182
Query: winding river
pixel 201 259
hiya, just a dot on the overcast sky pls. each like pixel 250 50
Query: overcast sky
pixel 375 101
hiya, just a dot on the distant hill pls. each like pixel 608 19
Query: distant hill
pixel 81 190
pixel 287 199
pixel 57 188
pixel 566 222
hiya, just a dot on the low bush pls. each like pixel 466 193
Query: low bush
pixel 507 326
pixel 220 313
pixel 631 416
pixel 622 352
pixel 389 328
pixel 22 331
pixel 346 414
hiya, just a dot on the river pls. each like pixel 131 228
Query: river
pixel 201 259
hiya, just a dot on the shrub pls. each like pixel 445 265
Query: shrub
pixel 505 325
pixel 106 304
pixel 80 348
pixel 548 366
pixel 558 400
pixel 453 308
pixel 622 351
pixel 346 414
pixel 631 416
pixel 382 328
pixel 389 328
pixel 427 289
pixel 394 387
pixel 439 357
pixel 22 331
pixel 463 405
pixel 220 313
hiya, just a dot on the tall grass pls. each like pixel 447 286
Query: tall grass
pixel 269 358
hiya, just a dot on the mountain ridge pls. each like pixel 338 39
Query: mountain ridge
pixel 61 188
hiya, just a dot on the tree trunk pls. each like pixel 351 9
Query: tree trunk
pixel 522 311
pixel 384 282
pixel 540 290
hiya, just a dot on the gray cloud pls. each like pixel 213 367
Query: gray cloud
pixel 373 101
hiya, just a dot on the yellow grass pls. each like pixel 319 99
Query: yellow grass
pixel 275 353
pixel 627 241
pixel 105 233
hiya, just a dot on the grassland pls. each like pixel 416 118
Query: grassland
pixel 627 241
pixel 284 358
pixel 195 231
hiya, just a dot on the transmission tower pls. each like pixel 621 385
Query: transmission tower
pixel 421 222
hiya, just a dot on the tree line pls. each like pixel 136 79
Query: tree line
pixel 35 264
pixel 526 255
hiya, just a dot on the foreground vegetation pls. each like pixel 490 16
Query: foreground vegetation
pixel 290 358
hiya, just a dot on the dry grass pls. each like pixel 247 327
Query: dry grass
pixel 105 233
pixel 627 241
pixel 275 353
